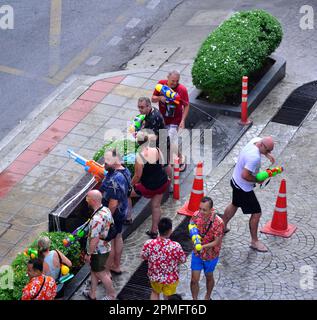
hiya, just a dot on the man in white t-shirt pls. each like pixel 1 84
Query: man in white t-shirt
pixel 243 181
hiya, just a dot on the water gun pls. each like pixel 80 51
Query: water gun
pixel 95 168
pixel 91 166
pixel 268 173
pixel 76 235
pixel 65 275
pixel 32 253
pixel 194 235
pixel 137 123
pixel 170 95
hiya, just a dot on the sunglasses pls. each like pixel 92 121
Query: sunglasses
pixel 266 148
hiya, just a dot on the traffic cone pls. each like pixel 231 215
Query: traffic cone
pixel 279 226
pixel 176 191
pixel 196 195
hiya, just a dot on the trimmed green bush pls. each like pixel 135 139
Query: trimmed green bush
pixel 237 48
pixel 124 147
pixel 19 265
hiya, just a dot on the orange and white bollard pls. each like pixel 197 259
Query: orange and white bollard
pixel 244 103
pixel 176 191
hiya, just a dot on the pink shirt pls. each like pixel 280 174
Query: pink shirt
pixel 163 256
pixel 216 230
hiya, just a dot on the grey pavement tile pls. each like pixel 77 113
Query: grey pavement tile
pixel 143 93
pixel 150 85
pixel 54 161
pixel 33 212
pixel 118 124
pixel 11 206
pixel 133 81
pixel 5 247
pixel 12 236
pixel 33 183
pixel 41 171
pixel 3 227
pixel 125 91
pixel 146 75
pixel 23 223
pixel 45 200
pixel 124 114
pixel 94 144
pixel 132 104
pixel 73 166
pixel 105 109
pixel 61 150
pixel 58 189
pixel 74 140
pixel 168 67
pixel 87 153
pixel 5 217
pixel 65 177
pixel 159 75
pixel 85 130
pixel 18 194
pixel 114 100
pixel 96 119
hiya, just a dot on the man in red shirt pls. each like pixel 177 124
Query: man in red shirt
pixel 211 230
pixel 174 114
pixel 163 256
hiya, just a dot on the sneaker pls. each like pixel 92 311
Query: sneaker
pixel 258 246
pixel 107 298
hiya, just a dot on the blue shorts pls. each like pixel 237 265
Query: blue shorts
pixel 198 264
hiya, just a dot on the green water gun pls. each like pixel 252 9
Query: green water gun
pixel 268 173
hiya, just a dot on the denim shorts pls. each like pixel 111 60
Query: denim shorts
pixel 198 264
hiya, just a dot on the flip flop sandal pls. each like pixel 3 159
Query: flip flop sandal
pixel 86 295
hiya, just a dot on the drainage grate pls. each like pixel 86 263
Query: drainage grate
pixel 138 287
pixel 297 105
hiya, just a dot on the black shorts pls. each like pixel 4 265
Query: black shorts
pixel 98 261
pixel 247 201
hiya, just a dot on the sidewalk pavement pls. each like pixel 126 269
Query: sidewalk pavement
pixel 37 171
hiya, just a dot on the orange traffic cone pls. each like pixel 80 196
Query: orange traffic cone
pixel 279 226
pixel 196 195
pixel 176 191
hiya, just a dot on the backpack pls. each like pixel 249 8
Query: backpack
pixel 112 233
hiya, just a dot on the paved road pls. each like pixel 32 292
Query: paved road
pixel 54 39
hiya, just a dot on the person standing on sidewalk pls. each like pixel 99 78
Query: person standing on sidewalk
pixel 150 179
pixel 174 114
pixel 115 188
pixel 163 256
pixel 211 230
pixel 243 182
pixel 97 250
pixel 153 119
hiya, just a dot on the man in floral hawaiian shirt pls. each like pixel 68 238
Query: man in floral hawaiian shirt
pixel 163 256
pixel 98 249
pixel 211 230
pixel 40 287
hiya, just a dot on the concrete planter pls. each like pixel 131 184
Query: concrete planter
pixel 259 92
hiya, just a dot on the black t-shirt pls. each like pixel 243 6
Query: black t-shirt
pixel 154 121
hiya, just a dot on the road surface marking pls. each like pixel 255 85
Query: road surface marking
pixel 92 61
pixel 114 41
pixel 133 23
pixel 152 4
pixel 55 36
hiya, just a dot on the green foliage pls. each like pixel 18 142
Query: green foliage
pixel 19 265
pixel 123 147
pixel 238 47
